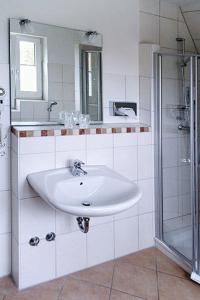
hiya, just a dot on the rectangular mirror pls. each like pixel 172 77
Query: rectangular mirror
pixel 54 69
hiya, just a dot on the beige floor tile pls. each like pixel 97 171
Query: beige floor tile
pixel 82 290
pixel 45 291
pixel 7 285
pixel 174 288
pixel 166 265
pixel 31 294
pixel 101 274
pixel 116 295
pixel 134 280
pixel 2 296
pixel 145 258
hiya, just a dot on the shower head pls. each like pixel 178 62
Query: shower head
pixel 181 45
pixel 180 39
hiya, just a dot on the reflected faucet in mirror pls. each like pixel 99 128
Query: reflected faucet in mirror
pixel 41 71
pixel 50 108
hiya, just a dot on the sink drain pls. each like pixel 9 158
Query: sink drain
pixel 86 204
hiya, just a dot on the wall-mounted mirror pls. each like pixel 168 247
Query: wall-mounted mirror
pixel 54 69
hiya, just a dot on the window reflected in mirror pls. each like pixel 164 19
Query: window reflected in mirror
pixel 51 64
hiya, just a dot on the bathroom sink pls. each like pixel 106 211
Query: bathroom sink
pixel 101 192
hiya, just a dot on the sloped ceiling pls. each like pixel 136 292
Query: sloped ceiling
pixel 191 14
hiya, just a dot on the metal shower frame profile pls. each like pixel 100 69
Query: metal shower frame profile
pixel 192 266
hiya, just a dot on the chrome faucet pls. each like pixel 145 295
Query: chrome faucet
pixel 76 169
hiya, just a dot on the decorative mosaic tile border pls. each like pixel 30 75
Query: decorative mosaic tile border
pixel 65 132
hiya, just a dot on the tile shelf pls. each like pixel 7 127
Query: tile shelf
pixel 38 131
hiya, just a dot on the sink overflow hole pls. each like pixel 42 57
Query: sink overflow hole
pixel 86 203
pixel 81 183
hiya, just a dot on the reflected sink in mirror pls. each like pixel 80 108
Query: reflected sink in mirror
pixel 101 192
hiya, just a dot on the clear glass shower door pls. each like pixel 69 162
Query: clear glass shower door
pixel 175 153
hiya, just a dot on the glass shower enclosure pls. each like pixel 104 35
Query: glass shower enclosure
pixel 177 136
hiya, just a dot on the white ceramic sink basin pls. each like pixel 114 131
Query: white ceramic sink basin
pixel 101 192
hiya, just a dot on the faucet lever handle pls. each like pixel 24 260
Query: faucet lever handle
pixel 78 163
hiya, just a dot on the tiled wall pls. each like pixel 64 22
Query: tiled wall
pixel 121 80
pixel 165 23
pixel 61 88
pixel 191 15
pixel 120 61
pixel 160 24
pixel 130 154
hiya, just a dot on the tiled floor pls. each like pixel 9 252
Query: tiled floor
pixel 147 274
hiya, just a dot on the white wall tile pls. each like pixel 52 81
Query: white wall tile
pixel 170 182
pixel 185 201
pixel 100 157
pixel 145 138
pixel 146 59
pixel 150 6
pixel 14 172
pixel 99 141
pixel 26 110
pixel 126 161
pixel 146 203
pixel 37 145
pixel 132 88
pixel 15 217
pixel 170 207
pixel 15 261
pixel 5 212
pixel 125 139
pixel 126 236
pixel 184 180
pixel 55 72
pixel 131 212
pixel 170 66
pixel 169 10
pixel 70 253
pixel 149 28
pixel 65 223
pixel 68 74
pixel 5 254
pixel 31 163
pixel 145 116
pixel 37 218
pixel 146 231
pixel 68 92
pixel 100 244
pixel 101 220
pixel 67 143
pixel 40 111
pixel 145 162
pixel 113 88
pixel 170 152
pixel 55 92
pixel 168 33
pixel 5 174
pixel 170 92
pixel 145 92
pixel 37 264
